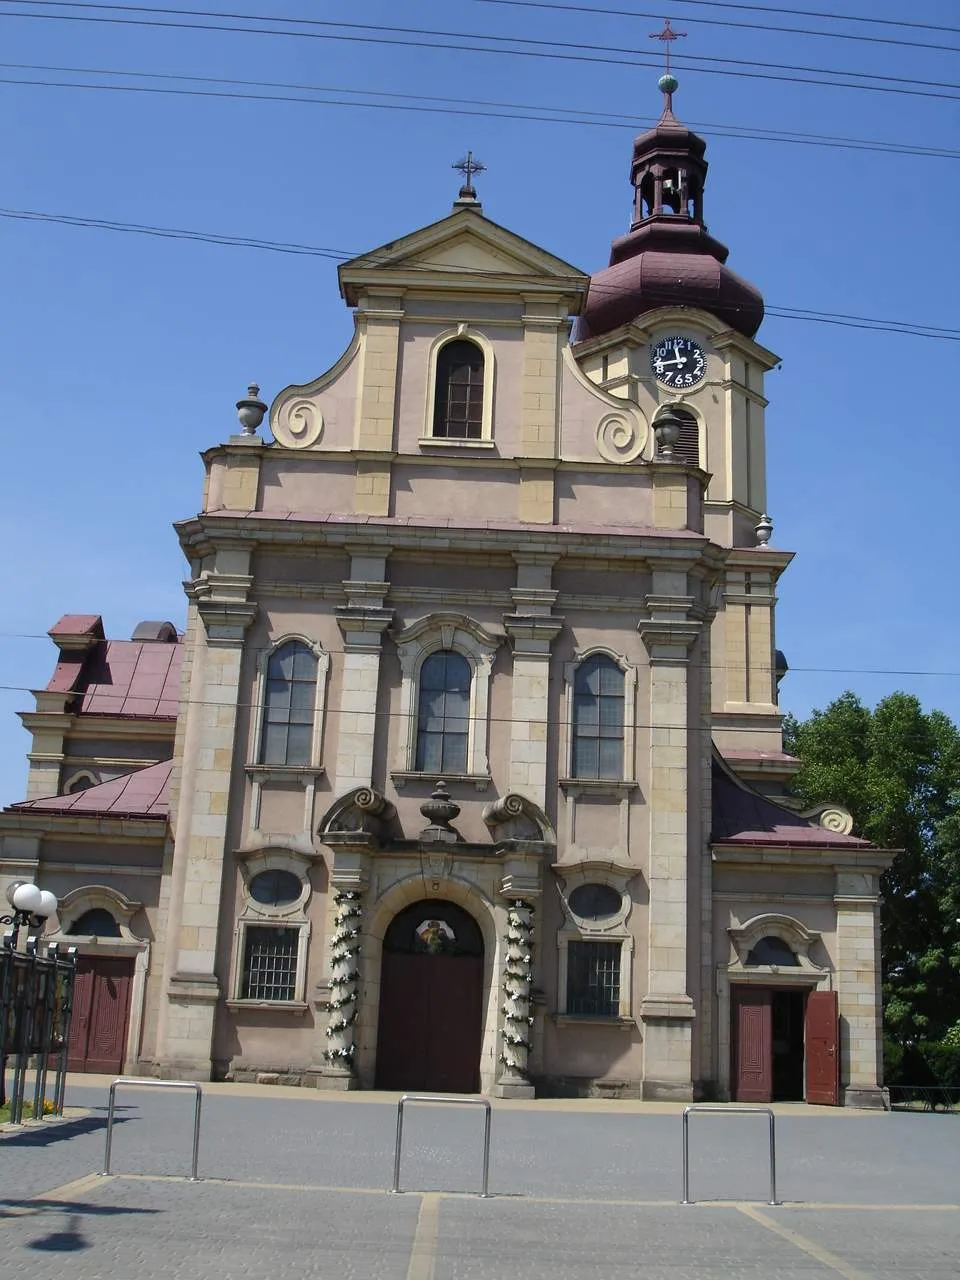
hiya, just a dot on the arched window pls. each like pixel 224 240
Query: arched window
pixel 290 701
pixel 772 950
pixel 79 782
pixel 458 402
pixel 443 713
pixel 598 719
pixel 97 923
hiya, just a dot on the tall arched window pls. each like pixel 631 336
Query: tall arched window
pixel 443 713
pixel 458 403
pixel 290 700
pixel 598 719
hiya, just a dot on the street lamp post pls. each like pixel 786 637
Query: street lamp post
pixel 31 908
pixel 22 972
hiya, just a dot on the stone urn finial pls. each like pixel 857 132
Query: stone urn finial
pixel 763 530
pixel 250 410
pixel 440 812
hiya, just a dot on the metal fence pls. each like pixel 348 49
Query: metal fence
pixel 36 1002
pixel 437 1099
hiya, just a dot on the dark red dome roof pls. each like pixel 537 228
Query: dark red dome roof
pixel 669 276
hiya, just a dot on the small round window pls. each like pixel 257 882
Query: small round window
pixel 595 901
pixel 275 888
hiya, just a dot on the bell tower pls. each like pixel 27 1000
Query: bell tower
pixel 669 326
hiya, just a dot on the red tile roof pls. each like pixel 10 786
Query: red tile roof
pixel 141 794
pixel 123 678
pixel 743 816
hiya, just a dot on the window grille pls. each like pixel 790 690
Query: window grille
pixel 593 979
pixel 458 411
pixel 97 922
pixel 290 706
pixel 269 963
pixel 598 719
pixel 443 713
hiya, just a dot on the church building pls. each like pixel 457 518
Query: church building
pixel 467 772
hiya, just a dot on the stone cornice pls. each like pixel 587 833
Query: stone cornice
pixel 679 549
pixel 70 824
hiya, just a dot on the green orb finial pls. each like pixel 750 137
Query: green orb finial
pixel 668 83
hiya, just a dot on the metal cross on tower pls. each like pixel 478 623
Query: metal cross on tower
pixel 667 35
pixel 468 167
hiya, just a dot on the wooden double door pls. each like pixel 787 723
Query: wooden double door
pixel 101 1014
pixel 785 1045
pixel 431 1001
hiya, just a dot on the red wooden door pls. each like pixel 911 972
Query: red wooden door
pixel 430 1024
pixel 822 1048
pixel 752 1045
pixel 101 1008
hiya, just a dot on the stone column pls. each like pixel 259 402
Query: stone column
pixel 667 1009
pixel 532 630
pixel 517 1007
pixel 185 1040
pixel 344 989
pixel 857 901
pixel 362 621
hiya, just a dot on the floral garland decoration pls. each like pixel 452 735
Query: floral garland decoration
pixel 517 978
pixel 345 976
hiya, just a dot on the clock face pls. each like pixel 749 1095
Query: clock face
pixel 678 361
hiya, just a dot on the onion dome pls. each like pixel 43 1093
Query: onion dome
pixel 668 259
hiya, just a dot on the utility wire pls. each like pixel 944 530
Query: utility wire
pixel 708 4
pixel 457 106
pixel 178 233
pixel 726 23
pixel 762 668
pixel 437 41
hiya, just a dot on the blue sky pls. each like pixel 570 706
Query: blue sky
pixel 123 354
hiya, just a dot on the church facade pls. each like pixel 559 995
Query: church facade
pixel 467 773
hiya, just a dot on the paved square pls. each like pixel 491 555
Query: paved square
pixel 296 1184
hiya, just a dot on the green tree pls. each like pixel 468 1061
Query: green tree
pixel 897 769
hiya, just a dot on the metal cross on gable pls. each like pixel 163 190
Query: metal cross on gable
pixel 468 167
pixel 667 36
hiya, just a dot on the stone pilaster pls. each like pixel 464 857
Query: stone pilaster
pixel 192 986
pixel 858 988
pixel 362 622
pixel 669 633
pixel 532 630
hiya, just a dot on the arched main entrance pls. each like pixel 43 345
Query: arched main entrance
pixel 431 1000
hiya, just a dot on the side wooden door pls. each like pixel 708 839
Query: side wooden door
pixel 101 1010
pixel 822 1048
pixel 752 1044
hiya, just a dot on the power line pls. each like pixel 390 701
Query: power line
pixel 455 106
pixel 245 242
pixel 703 666
pixel 727 23
pixel 690 62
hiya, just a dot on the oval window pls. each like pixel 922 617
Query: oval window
pixel 275 888
pixel 595 901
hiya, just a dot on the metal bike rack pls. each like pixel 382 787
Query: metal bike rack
pixel 440 1098
pixel 154 1084
pixel 724 1109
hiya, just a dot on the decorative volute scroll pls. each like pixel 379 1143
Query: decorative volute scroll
pixel 621 436
pixel 298 424
pixel 831 817
pixel 363 812
pixel 514 817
